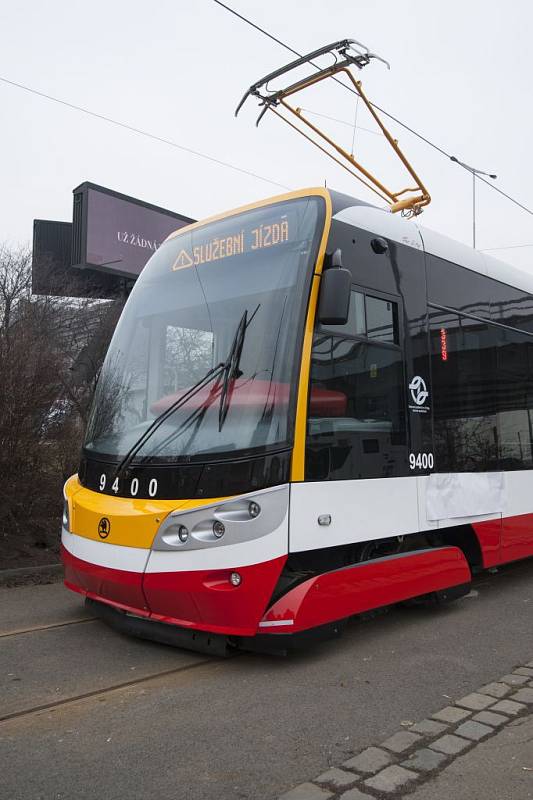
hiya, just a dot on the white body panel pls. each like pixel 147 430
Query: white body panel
pixel 425 524
pixel 136 559
pixel 464 494
pixel 113 556
pixel 519 493
pixel 363 510
pixel 360 510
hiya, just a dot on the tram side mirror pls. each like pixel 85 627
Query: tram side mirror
pixel 335 289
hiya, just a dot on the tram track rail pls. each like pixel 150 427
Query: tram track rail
pixel 37 569
pixel 102 692
pixel 41 628
pixel 479 580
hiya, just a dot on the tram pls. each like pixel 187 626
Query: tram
pixel 310 408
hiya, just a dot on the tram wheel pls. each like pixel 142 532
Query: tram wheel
pixel 381 548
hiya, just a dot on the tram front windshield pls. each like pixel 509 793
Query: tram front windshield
pixel 182 319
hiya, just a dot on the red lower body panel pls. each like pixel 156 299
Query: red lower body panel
pixel 203 599
pixel 206 600
pixel 517 537
pixel 352 590
pixel 507 539
pixel 117 587
pixel 489 534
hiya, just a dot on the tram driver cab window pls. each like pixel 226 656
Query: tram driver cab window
pixel 356 419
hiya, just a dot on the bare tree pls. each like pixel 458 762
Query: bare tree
pixel 51 351
pixel 15 282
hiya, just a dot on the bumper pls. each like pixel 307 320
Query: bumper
pixel 143 628
pixel 120 588
pixel 198 600
pixel 205 642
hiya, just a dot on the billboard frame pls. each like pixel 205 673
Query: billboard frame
pixel 80 224
pixel 51 268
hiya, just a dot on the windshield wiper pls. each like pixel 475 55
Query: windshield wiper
pixel 195 418
pixel 230 369
pixel 231 366
pixel 161 418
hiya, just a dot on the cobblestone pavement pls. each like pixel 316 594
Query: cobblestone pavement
pixel 499 768
pixel 425 752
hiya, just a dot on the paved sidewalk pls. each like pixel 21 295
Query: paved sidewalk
pixel 499 769
pixel 481 746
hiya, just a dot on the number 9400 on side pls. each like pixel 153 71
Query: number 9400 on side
pixel 421 460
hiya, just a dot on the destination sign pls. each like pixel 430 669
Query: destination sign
pixel 238 242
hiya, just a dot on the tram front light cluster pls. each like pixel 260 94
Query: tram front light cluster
pixel 183 533
pixel 65 519
pixel 234 521
pixel 254 509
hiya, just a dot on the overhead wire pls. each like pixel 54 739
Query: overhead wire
pixel 341 121
pixel 355 124
pixel 229 165
pixel 141 132
pixel 378 108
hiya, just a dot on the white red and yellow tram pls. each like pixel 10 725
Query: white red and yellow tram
pixel 310 408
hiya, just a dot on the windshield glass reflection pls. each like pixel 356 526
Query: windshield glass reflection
pixel 181 321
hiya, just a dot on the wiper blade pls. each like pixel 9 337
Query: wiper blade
pixel 195 418
pixel 231 366
pixel 161 418
pixel 230 369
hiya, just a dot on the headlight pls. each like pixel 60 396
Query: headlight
pixel 65 519
pixel 235 579
pixel 226 522
pixel 183 533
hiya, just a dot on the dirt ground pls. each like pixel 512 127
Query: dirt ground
pixel 20 549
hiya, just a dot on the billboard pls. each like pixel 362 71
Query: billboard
pixel 117 234
pixel 51 271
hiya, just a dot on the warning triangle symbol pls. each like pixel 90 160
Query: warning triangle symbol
pixel 183 260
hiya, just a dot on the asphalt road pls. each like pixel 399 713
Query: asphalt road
pixel 87 713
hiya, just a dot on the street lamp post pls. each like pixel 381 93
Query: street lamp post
pixel 474 172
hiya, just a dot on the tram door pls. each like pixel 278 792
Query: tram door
pixel 356 423
pixel 356 433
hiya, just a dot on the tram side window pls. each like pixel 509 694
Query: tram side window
pixel 482 396
pixel 381 320
pixel 371 317
pixel 464 406
pixel 356 425
pixel 514 399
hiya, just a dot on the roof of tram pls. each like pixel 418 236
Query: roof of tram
pixel 409 232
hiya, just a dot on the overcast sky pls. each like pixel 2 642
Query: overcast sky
pixel 460 74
